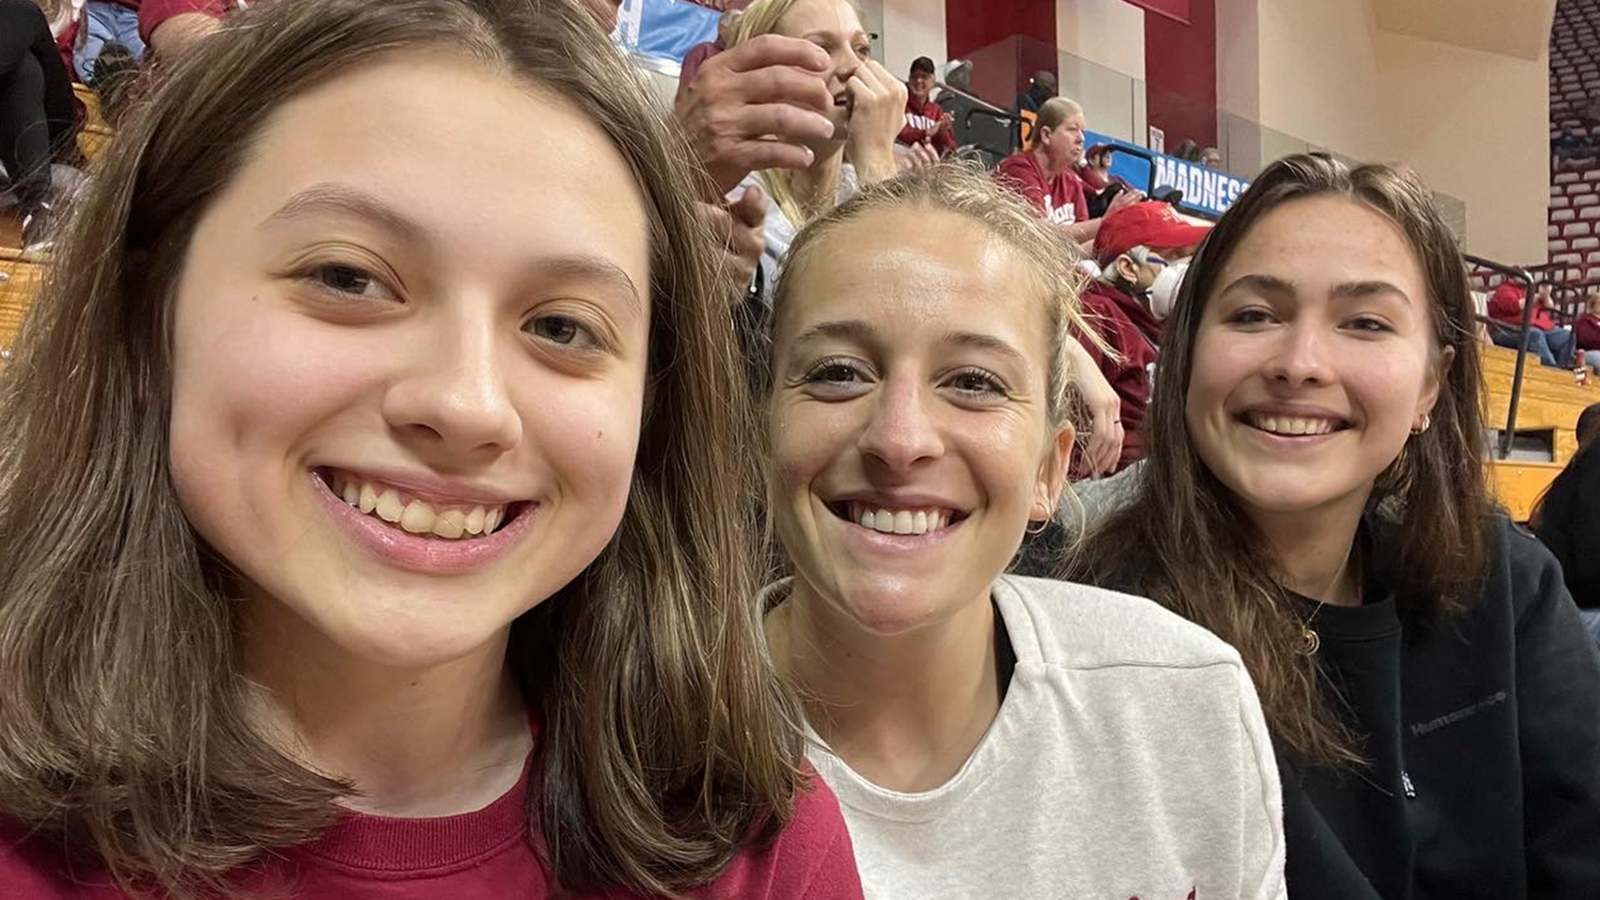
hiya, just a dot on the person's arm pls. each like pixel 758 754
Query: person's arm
pixel 945 140
pixel 1260 803
pixel 1558 713
pixel 877 111
pixel 1084 231
pixel 1103 445
pixel 911 134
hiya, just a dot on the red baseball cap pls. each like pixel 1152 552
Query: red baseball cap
pixel 1149 223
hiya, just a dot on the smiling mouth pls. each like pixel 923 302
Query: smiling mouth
pixel 913 520
pixel 1292 426
pixel 398 509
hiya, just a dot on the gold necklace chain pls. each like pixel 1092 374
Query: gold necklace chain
pixel 1310 641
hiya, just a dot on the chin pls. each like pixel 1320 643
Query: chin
pixel 415 638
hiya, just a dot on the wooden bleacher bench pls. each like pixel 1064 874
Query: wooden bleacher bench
pixel 20 278
pixel 1551 400
pixel 95 134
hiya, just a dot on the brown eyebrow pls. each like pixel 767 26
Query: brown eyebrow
pixel 987 342
pixel 337 199
pixel 844 329
pixel 588 267
pixel 1275 286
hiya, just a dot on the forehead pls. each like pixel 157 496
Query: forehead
pixel 1317 242
pixel 913 272
pixel 492 170
pixel 807 17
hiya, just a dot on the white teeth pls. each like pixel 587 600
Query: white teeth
pixel 1293 426
pixel 389 508
pixel 897 521
pixel 450 523
pixel 416 516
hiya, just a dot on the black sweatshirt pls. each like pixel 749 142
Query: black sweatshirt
pixel 1570 525
pixel 1483 732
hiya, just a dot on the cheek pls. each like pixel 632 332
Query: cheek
pixel 588 433
pixel 808 437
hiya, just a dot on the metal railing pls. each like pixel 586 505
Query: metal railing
pixel 1522 275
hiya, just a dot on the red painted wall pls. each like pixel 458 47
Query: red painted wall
pixel 1180 67
pixel 971 25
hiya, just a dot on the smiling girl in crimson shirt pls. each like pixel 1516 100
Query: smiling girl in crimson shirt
pixel 399 553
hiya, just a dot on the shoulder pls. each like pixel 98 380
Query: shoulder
pixel 1522 570
pixel 1017 165
pixel 32 866
pixel 1079 626
pixel 810 858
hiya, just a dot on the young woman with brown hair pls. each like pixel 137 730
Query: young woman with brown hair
pixel 1314 494
pixel 386 409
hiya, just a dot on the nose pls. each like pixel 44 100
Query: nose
pixel 901 433
pixel 451 405
pixel 845 63
pixel 1301 357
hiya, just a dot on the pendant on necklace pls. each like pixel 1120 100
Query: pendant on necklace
pixel 1310 643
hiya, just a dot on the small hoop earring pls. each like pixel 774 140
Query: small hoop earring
pixel 1035 532
pixel 1426 421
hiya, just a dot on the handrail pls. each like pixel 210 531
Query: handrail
pixel 1522 275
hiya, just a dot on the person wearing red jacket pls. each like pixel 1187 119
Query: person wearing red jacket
pixel 1586 329
pixel 1553 346
pixel 1132 246
pixel 926 121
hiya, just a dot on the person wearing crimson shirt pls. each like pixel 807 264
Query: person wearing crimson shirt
pixel 1586 330
pixel 1044 172
pixel 926 121
pixel 1552 345
pixel 1132 247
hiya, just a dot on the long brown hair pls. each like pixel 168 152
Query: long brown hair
pixel 1185 542
pixel 665 742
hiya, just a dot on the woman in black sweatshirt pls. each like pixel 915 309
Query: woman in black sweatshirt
pixel 1314 494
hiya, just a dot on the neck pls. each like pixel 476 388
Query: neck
pixel 815 187
pixel 905 710
pixel 1313 551
pixel 1044 161
pixel 432 741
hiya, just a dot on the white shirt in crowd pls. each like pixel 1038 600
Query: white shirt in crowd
pixel 1129 760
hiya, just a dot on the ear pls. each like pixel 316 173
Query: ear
pixel 1437 373
pixel 1052 476
pixel 1127 269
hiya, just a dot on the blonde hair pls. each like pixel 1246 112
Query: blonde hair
pixel 666 743
pixel 762 17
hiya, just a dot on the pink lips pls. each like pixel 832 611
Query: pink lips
pixel 417 552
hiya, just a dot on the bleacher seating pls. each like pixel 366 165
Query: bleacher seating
pixel 20 278
pixel 1574 223
pixel 1551 401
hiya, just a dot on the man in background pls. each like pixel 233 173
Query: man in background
pixel 927 124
